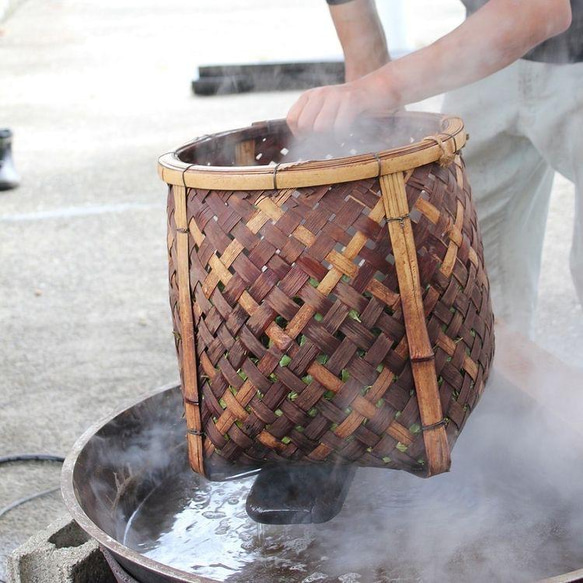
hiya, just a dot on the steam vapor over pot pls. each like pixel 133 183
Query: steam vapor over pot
pixel 508 511
pixel 262 243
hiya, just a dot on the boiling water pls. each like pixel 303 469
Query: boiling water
pixel 510 510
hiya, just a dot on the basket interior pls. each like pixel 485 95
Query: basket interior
pixel 272 142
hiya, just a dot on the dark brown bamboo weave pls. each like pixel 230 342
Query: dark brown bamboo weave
pixel 343 322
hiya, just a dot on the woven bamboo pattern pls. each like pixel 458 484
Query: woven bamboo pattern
pixel 342 322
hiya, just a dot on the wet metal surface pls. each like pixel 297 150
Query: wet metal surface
pixel 505 513
pixel 298 494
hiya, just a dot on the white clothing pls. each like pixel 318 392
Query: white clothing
pixel 524 122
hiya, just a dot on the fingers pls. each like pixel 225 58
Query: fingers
pixel 314 104
pixel 317 110
pixel 326 117
pixel 296 111
pixel 304 112
pixel 345 117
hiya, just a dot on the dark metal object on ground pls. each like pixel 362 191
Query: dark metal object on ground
pixel 103 482
pixel 9 178
pixel 106 476
pixel 228 79
pixel 288 494
pixel 121 576
pixel 112 469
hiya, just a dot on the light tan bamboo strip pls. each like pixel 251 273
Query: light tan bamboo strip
pixel 449 346
pixel 189 365
pixel 314 172
pixel 450 257
pixel 245 153
pixel 358 241
pixel 459 172
pixel 401 233
pixel 421 353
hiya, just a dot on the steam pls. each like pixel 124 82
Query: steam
pixel 128 458
pixel 368 136
pixel 508 511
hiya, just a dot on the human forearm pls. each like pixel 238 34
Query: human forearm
pixel 361 36
pixel 494 37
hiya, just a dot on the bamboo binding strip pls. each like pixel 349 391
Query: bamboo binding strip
pixel 420 351
pixel 449 139
pixel 330 311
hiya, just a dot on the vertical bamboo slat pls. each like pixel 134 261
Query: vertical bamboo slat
pixel 189 364
pixel 245 153
pixel 420 350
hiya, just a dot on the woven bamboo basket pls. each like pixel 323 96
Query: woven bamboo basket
pixel 333 310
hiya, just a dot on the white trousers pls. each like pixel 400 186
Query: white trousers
pixel 524 122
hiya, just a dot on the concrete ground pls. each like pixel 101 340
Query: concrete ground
pixel 95 92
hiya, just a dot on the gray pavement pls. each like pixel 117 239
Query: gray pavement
pixel 95 92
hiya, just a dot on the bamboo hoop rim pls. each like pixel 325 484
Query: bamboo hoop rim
pixel 433 148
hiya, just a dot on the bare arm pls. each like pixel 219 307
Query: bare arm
pixel 362 37
pixel 494 37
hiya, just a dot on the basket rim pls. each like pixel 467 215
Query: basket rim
pixel 447 142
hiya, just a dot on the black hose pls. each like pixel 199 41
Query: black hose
pixel 28 457
pixel 31 457
pixel 20 501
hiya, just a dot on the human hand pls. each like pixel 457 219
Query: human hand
pixel 336 107
pixel 324 109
